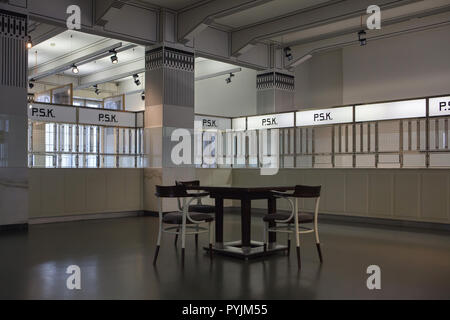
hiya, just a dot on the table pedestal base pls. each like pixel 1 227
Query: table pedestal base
pixel 235 249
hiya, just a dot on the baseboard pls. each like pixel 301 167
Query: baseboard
pixel 324 217
pixel 371 221
pixel 150 213
pixel 394 223
pixel 82 217
pixel 14 227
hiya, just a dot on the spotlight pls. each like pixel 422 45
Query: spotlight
pixel 75 69
pixel 143 95
pixel 287 53
pixel 114 58
pixel 136 79
pixel 228 80
pixel 97 90
pixel 29 43
pixel 31 84
pixel 362 38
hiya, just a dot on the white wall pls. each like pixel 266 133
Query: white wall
pixel 133 101
pixel 318 82
pixel 215 97
pixel 407 66
pixel 412 65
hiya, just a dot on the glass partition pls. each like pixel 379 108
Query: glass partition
pixel 114 103
pixel 77 145
pixel 399 134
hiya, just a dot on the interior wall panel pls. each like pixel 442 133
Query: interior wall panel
pixel 401 194
pixel 356 193
pixel 407 195
pixel 71 192
pixel 74 191
pixel 381 195
pixel 334 188
pixel 434 205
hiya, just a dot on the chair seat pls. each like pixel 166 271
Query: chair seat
pixel 202 208
pixel 177 217
pixel 302 217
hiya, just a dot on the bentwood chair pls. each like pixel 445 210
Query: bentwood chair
pixel 290 222
pixel 198 206
pixel 188 222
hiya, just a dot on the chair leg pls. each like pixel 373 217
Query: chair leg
pixel 319 252
pixel 289 244
pixel 299 262
pixel 265 236
pixel 297 239
pixel 316 232
pixel 176 237
pixel 155 257
pixel 183 240
pixel 158 244
pixel 210 241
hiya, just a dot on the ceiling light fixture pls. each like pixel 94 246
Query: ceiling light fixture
pixel 228 80
pixel 143 95
pixel 288 54
pixel 97 90
pixel 136 79
pixel 29 43
pixel 114 58
pixel 75 69
pixel 362 38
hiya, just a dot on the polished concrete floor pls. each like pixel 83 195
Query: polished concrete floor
pixel 115 257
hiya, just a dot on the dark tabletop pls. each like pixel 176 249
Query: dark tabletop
pixel 239 192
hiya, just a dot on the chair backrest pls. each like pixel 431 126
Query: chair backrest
pixel 194 183
pixel 171 191
pixel 307 191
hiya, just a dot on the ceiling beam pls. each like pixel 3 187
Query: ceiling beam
pixel 352 25
pixel 311 17
pixel 41 32
pixel 105 10
pixel 195 19
pixel 79 58
pixel 350 39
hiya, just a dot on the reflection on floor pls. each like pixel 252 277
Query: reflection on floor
pixel 115 257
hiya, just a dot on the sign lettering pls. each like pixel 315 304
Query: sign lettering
pixel 272 121
pixel 440 106
pixel 212 123
pixel 53 113
pixel 109 118
pixel 325 116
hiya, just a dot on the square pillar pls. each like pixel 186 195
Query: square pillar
pixel 169 106
pixel 13 121
pixel 275 91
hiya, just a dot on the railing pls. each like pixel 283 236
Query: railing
pixel 78 137
pixel 398 134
